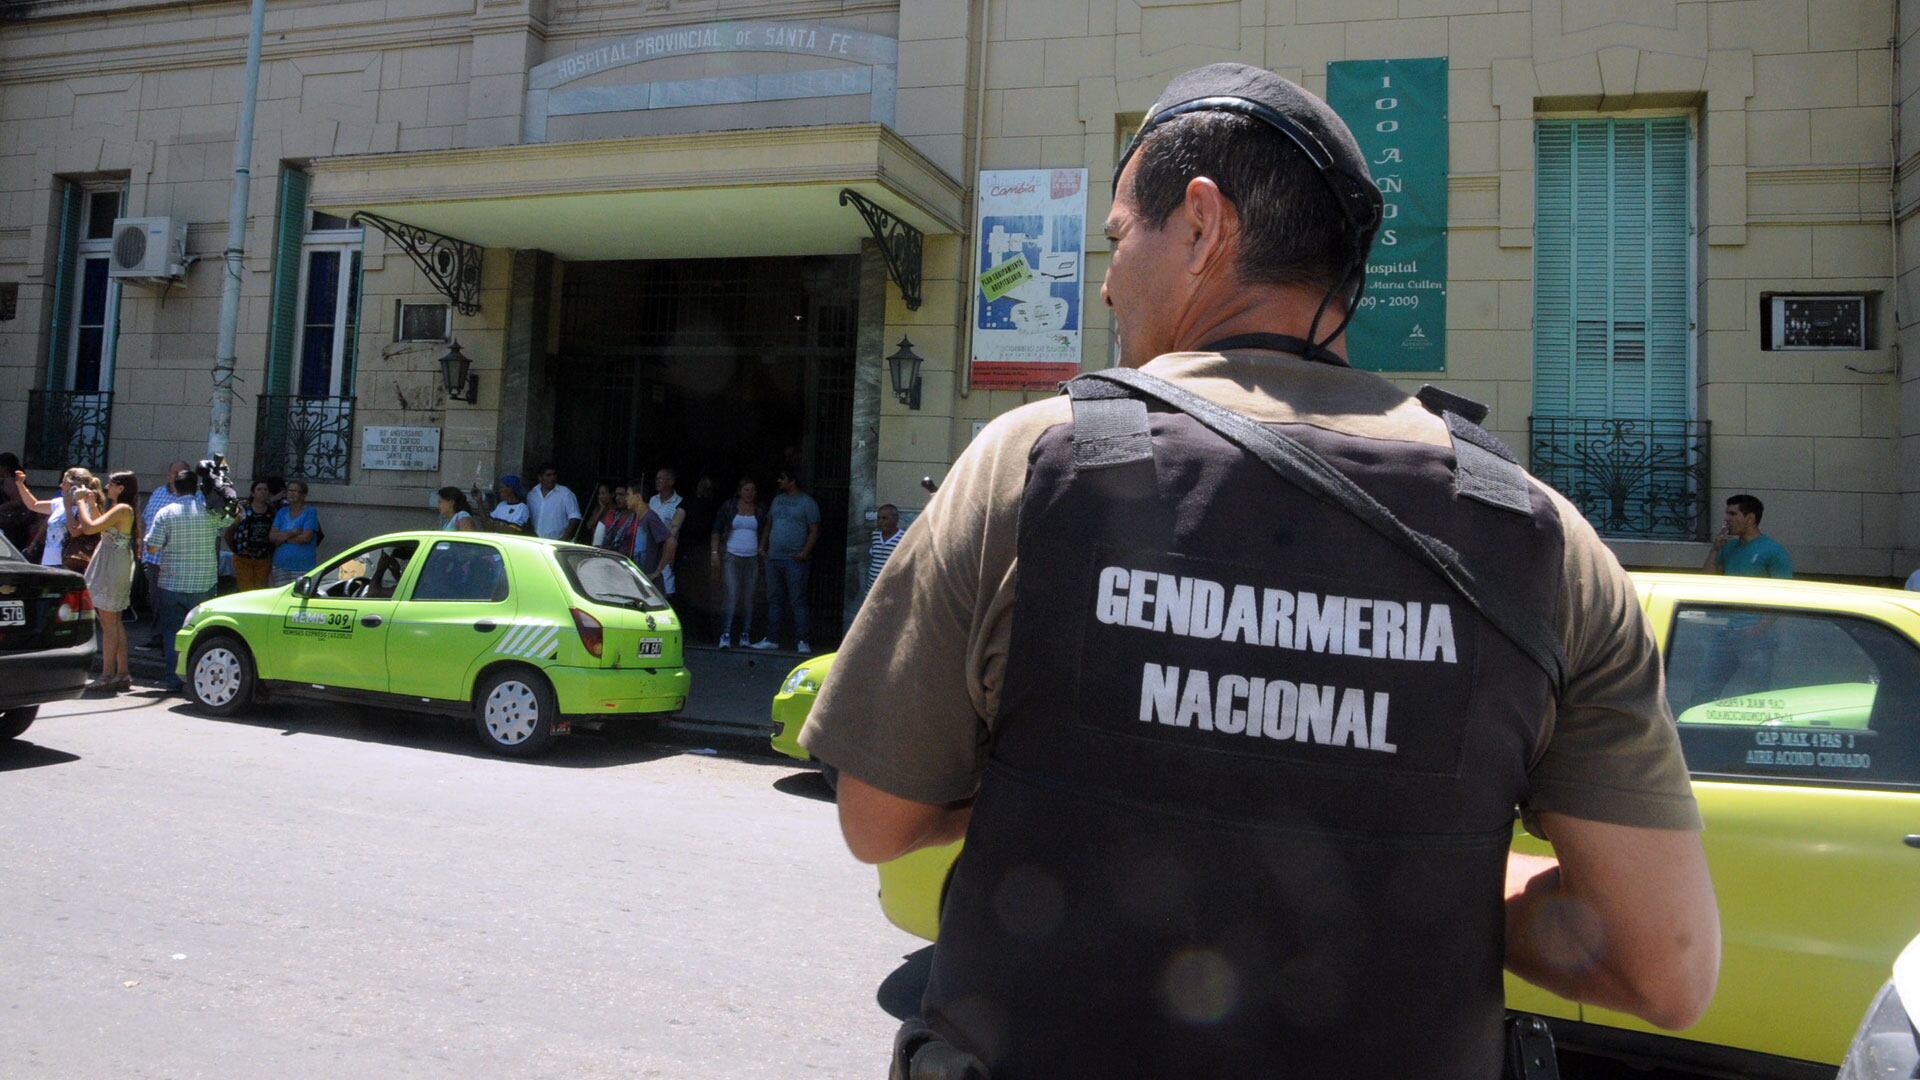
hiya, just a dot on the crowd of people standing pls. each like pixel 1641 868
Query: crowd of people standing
pixel 159 558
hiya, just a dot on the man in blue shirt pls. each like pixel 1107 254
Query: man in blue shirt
pixel 1746 642
pixel 1742 550
pixel 789 544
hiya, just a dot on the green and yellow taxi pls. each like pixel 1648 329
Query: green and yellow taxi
pixel 1798 706
pixel 526 636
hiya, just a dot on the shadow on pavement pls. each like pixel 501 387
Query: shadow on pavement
pixel 900 992
pixel 16 754
pixel 584 748
pixel 807 784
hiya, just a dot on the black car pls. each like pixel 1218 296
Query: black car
pixel 46 638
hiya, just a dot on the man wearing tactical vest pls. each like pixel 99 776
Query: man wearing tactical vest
pixel 1235 716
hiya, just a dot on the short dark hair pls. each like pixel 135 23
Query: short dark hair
pixel 1747 504
pixel 546 466
pixel 9 463
pixel 1292 230
pixel 183 482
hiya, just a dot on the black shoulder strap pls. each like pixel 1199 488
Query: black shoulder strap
pixel 1484 469
pixel 1312 473
pixel 1110 429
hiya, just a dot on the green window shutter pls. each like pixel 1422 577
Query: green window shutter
pixel 1670 325
pixel 65 280
pixel 284 329
pixel 350 348
pixel 1611 280
pixel 1553 270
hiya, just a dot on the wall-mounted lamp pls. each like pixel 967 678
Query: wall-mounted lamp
pixel 457 374
pixel 904 365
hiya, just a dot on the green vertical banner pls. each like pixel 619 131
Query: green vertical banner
pixel 1398 111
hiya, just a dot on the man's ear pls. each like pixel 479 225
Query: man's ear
pixel 1210 223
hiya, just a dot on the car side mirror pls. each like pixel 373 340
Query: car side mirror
pixel 302 586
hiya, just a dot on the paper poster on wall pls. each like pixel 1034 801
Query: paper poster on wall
pixel 1030 277
pixel 1398 112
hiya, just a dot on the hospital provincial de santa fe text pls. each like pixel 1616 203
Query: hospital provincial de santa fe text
pixel 1668 242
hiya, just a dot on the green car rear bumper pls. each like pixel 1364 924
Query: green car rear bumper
pixel 619 691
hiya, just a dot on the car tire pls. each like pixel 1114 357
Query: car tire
pixel 514 712
pixel 15 722
pixel 220 675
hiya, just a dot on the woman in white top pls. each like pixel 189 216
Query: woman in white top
pixel 455 514
pixel 740 530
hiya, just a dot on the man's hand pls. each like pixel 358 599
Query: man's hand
pixel 1624 919
pixel 880 826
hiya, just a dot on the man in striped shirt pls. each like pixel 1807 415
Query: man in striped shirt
pixel 185 541
pixel 885 538
pixel 161 498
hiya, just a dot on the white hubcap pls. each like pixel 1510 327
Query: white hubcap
pixel 216 678
pixel 511 712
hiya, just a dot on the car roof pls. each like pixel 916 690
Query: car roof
pixel 507 540
pixel 1750 589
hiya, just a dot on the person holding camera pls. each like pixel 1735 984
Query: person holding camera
pixel 185 544
pixel 109 572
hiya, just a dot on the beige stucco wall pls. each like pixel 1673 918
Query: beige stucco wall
pixel 1791 99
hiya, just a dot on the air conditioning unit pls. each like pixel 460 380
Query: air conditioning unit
pixel 148 247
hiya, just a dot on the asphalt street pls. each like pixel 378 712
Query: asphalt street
pixel 330 892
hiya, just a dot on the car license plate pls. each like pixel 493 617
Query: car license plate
pixel 650 646
pixel 13 613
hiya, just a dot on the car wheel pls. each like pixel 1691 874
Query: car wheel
pixel 514 711
pixel 220 675
pixel 15 722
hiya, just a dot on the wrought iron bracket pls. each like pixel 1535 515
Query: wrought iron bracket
pixel 453 266
pixel 900 244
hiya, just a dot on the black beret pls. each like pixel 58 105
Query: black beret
pixel 1305 120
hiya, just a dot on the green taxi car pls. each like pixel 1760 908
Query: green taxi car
pixel 1798 706
pixel 527 636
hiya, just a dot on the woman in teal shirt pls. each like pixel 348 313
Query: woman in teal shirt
pixel 296 535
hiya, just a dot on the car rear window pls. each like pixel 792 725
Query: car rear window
pixel 605 578
pixel 1794 696
pixel 9 553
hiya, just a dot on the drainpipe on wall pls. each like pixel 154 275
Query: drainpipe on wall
pixel 232 263
pixel 972 180
pixel 1893 187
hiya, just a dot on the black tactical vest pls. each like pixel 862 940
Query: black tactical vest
pixel 1253 778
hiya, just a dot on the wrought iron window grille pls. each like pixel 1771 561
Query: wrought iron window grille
pixel 66 429
pixel 453 266
pixel 901 244
pixel 308 438
pixel 1631 478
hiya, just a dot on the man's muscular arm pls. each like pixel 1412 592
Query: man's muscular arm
pixel 1624 919
pixel 879 826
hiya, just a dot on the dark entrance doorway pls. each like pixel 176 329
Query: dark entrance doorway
pixel 720 368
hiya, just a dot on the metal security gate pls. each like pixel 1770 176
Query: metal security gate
pixel 718 368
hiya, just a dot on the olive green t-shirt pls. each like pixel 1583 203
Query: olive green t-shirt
pixel 910 703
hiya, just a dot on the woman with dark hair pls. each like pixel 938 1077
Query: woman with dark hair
pixel 110 571
pixel 738 530
pixel 600 512
pixel 456 514
pixel 251 538
pixel 16 517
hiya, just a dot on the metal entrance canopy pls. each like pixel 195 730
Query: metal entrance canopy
pixel 709 195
